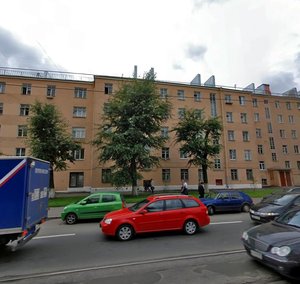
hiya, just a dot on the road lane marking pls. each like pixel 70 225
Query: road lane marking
pixel 54 236
pixel 225 222
pixel 150 261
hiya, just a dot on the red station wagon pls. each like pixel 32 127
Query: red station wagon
pixel 155 214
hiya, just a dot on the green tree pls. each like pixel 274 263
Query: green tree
pixel 130 130
pixel 199 139
pixel 48 137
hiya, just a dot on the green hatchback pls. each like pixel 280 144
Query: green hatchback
pixel 94 206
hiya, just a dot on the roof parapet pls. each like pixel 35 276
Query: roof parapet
pixel 197 80
pixel 211 82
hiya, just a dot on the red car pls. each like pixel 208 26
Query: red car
pixel 156 213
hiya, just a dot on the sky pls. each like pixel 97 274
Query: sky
pixel 238 41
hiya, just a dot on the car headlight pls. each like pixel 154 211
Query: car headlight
pixel 245 236
pixel 108 221
pixel 281 251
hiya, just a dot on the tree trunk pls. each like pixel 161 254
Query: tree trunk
pixel 133 178
pixel 205 178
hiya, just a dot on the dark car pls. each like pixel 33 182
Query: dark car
pixel 228 200
pixel 272 206
pixel 294 190
pixel 277 243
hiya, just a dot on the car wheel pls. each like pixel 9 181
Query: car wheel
pixel 246 208
pixel 211 210
pixel 71 218
pixel 125 233
pixel 190 227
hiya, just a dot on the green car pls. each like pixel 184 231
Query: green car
pixel 94 206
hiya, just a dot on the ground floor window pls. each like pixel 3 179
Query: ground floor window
pixel 166 174
pixel 76 179
pixel 106 175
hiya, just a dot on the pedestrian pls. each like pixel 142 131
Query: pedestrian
pixel 184 188
pixel 201 189
pixel 152 186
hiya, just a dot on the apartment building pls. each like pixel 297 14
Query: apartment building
pixel 260 141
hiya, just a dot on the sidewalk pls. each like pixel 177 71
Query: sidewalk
pixel 54 212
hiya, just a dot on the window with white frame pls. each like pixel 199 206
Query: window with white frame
pixel 197 96
pixel 272 143
pixel 229 117
pixel 24 109
pixel 262 165
pixel 228 99
pixel 288 105
pixel 184 174
pixel 244 117
pixel 260 149
pixel 296 149
pixel 242 100
pixel 282 133
pixel 217 164
pixel 234 174
pixel 51 91
pixel 22 130
pixel 106 176
pixel 247 155
pixel 79 111
pixel 232 154
pixel 180 94
pixel 230 134
pixel 258 133
pixel 277 104
pixel 246 136
pixel 2 87
pixel 80 93
pixel 78 154
pixel 181 113
pixel 164 131
pixel 249 174
pixel 26 89
pixel 108 88
pixel 287 164
pixel 166 175
pixel 284 149
pixel 78 132
pixel 279 118
pixel 254 103
pixel 274 157
pixel 165 153
pixel 163 93
pixel 256 116
pixel 294 133
pixel 182 154
pixel 291 119
pixel 267 113
pixel 20 151
pixel 270 128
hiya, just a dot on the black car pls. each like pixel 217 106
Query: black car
pixel 277 243
pixel 272 206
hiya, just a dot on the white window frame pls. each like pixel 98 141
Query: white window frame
pixel 79 111
pixel 78 132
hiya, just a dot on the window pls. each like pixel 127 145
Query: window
pixel 92 200
pixel 229 117
pixel 184 174
pixel 256 116
pixel 78 154
pixel 264 181
pixel 165 132
pixel 262 165
pixel 249 174
pixel 78 132
pixel 294 134
pixel 80 93
pixel 279 118
pixel 270 129
pixel 234 174
pixel 106 176
pixel 182 154
pixel 247 155
pixel 277 104
pixel 2 87
pixel 180 94
pixel 190 203
pixel 166 174
pixel 79 111
pixel 244 117
pixel 198 113
pixel 296 149
pixel 200 174
pixel 24 110
pixel 288 105
pixel 1 108
pixel 291 119
pixel 254 103
pixel 181 113
pixel 217 164
pixel 245 136
pixel 197 96
pixel 274 157
pixel 298 105
pixel 213 105
pixel 232 154
pixel 260 149
pixel 267 113
pixel 298 165
pixel 266 102
pixel 163 92
pixel 108 89
pixel 282 133
pixel 287 164
pixel 165 153
pixel 22 130
pixel 20 151
pixel 258 133
pixel 284 149
pixel 155 206
pixel 173 204
pixel 76 179
pixel 108 198
pixel 242 100
pixel 272 143
pixel 51 91
pixel 228 99
pixel 230 135
pixel 26 89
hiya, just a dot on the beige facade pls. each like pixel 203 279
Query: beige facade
pixel 260 141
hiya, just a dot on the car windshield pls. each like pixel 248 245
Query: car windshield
pixel 283 200
pixel 139 205
pixel 291 218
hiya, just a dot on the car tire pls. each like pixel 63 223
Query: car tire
pixel 246 208
pixel 71 218
pixel 211 210
pixel 190 227
pixel 125 232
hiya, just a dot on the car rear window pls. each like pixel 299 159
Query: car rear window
pixel 108 198
pixel 190 203
pixel 235 195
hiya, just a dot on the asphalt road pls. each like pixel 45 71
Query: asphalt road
pixel 81 254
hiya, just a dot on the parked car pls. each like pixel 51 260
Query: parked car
pixel 94 206
pixel 156 213
pixel 294 190
pixel 228 200
pixel 277 243
pixel 272 206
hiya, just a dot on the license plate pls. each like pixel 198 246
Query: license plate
pixel 256 254
pixel 255 217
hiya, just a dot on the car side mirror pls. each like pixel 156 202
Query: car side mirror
pixel 144 211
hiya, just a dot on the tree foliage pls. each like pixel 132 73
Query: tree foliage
pixel 199 139
pixel 49 139
pixel 130 130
